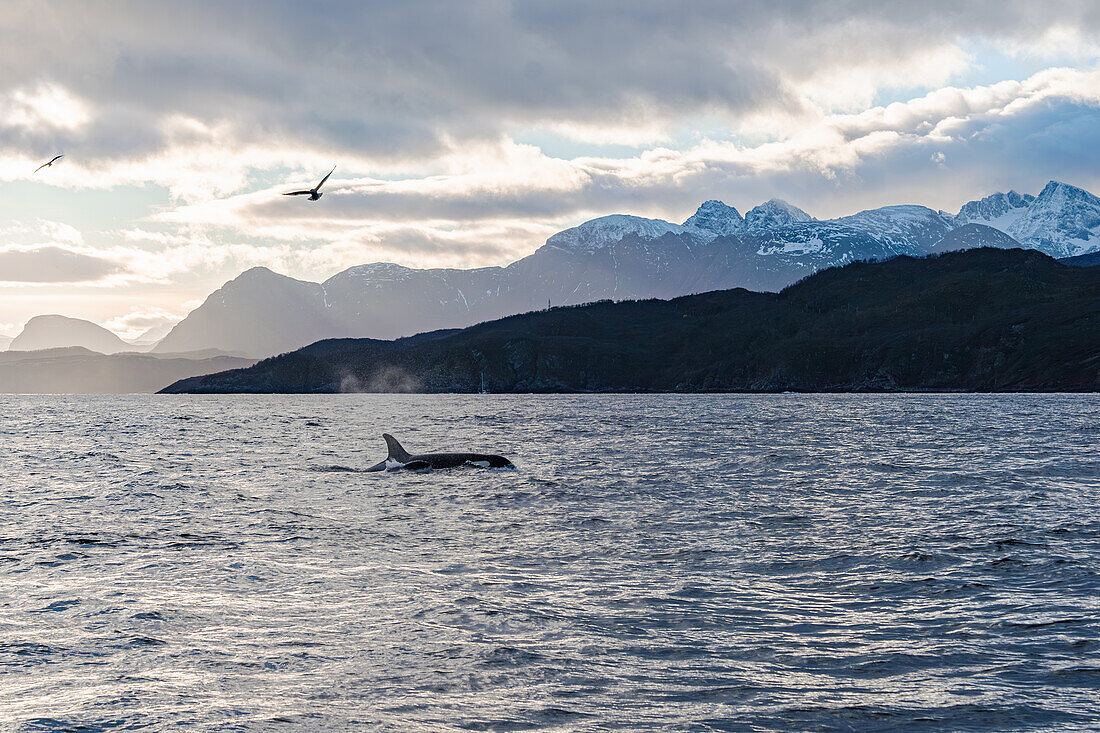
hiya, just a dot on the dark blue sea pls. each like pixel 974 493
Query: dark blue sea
pixel 696 563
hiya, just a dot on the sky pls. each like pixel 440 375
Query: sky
pixel 464 134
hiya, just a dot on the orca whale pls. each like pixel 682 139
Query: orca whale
pixel 398 458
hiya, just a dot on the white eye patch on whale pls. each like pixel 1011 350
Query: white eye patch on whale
pixel 399 459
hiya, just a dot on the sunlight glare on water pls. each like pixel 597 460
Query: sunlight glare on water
pixel 819 562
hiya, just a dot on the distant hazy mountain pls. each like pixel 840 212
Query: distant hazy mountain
pixel 151 337
pixel 623 257
pixel 77 370
pixel 258 313
pixel 985 319
pixel 4 341
pixel 54 332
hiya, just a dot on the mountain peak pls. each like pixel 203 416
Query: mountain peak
pixel 54 331
pixel 291 310
pixel 261 277
pixel 1063 190
pixel 377 268
pixel 596 233
pixel 775 212
pixel 54 317
pixel 1054 185
pixel 1063 220
pixel 992 207
pixel 376 272
pixel 257 272
pixel 716 217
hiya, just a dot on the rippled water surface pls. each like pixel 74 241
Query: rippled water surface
pixel 657 562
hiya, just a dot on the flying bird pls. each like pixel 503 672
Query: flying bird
pixel 47 165
pixel 313 193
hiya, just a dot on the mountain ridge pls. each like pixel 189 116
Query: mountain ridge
pixel 78 370
pixel 981 319
pixel 621 257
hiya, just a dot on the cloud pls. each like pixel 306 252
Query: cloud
pixel 43 106
pixel 52 264
pixel 141 319
pixel 642 107
pixel 826 164
pixel 177 92
pixel 51 253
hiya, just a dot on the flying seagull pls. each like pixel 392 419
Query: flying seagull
pixel 47 165
pixel 313 193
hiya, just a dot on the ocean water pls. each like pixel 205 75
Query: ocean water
pixel 781 562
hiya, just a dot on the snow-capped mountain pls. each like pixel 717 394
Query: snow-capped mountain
pixel 1062 221
pixel 901 229
pixel 774 213
pixel 1003 208
pixel 261 313
pixel 596 233
pixel 721 219
pixel 717 218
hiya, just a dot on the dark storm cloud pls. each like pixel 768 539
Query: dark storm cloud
pixel 397 79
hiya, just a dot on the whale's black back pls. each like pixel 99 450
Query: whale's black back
pixel 398 454
pixel 450 460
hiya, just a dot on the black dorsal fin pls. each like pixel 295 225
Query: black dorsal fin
pixel 396 452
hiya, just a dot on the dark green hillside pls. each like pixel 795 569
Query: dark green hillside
pixel 983 319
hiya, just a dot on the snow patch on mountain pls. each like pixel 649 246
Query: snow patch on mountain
pixel 811 245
